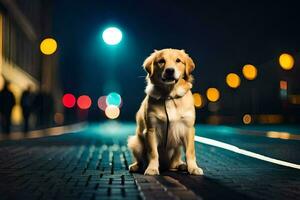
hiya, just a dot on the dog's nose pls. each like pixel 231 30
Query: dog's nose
pixel 169 71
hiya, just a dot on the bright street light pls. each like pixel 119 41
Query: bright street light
pixel 48 46
pixel 213 94
pixel 112 36
pixel 249 72
pixel 233 80
pixel 286 61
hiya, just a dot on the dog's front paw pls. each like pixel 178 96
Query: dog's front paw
pixel 195 171
pixel 151 171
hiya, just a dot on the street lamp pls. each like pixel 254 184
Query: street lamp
pixel 112 36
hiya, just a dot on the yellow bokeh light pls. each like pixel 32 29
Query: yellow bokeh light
pixel 286 61
pixel 197 100
pixel 213 94
pixel 249 72
pixel 281 135
pixel 16 114
pixel 48 46
pixel 247 119
pixel 112 112
pixel 233 80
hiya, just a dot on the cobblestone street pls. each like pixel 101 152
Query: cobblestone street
pixel 87 165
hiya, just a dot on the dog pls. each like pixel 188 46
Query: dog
pixel 166 117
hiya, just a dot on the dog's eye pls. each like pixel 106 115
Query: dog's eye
pixel 178 60
pixel 161 61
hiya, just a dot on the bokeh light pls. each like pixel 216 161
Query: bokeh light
pixel 249 72
pixel 114 99
pixel 112 36
pixel 84 102
pixel 233 80
pixel 283 85
pixel 112 112
pixel 247 119
pixel 59 118
pixel 16 114
pixel 197 100
pixel 69 100
pixel 286 61
pixel 102 103
pixel 213 94
pixel 48 46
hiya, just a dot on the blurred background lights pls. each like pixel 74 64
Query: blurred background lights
pixel 233 80
pixel 283 85
pixel 84 102
pixel 112 112
pixel 247 119
pixel 58 118
pixel 249 72
pixel 48 46
pixel 213 107
pixel 197 100
pixel 112 36
pixel 213 94
pixel 16 114
pixel 286 61
pixel 102 103
pixel 69 100
pixel 113 98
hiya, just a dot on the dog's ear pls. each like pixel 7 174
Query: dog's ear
pixel 189 65
pixel 148 64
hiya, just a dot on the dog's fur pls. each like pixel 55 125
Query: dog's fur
pixel 149 146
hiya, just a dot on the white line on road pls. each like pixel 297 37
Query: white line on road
pixel 236 149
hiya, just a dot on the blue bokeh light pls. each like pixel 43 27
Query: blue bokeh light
pixel 112 36
pixel 113 98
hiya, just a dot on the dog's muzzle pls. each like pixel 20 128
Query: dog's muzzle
pixel 169 75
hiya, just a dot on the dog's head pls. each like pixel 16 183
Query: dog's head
pixel 168 66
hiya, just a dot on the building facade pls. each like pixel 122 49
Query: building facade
pixel 23 25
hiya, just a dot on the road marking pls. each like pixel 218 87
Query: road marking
pixel 236 149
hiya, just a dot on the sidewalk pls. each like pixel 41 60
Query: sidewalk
pixel 85 165
pixel 51 131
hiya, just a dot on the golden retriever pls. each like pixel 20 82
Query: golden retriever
pixel 165 120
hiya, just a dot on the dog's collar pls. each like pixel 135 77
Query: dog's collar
pixel 155 93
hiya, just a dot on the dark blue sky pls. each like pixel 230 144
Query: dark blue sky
pixel 220 36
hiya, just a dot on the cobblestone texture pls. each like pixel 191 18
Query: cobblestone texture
pixel 83 166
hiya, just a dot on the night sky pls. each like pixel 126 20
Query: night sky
pixel 221 36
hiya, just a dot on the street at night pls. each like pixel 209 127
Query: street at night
pixel 92 163
pixel 149 100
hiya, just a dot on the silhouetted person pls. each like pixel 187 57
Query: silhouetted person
pixel 7 102
pixel 27 107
